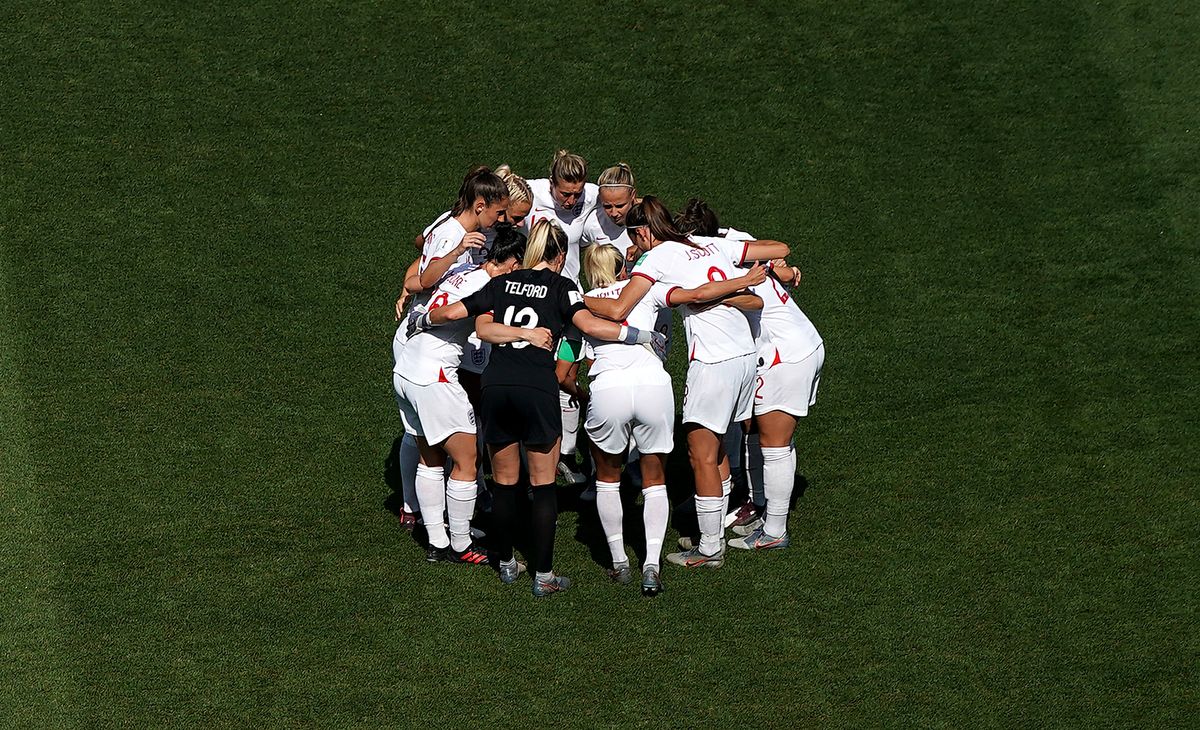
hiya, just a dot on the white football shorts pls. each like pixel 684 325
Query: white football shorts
pixel 720 392
pixel 790 387
pixel 645 413
pixel 435 411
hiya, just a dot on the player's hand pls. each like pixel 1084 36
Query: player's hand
pixel 418 321
pixel 793 272
pixel 474 239
pixel 400 304
pixel 658 343
pixel 756 275
pixel 539 337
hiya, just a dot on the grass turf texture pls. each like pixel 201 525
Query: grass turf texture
pixel 206 214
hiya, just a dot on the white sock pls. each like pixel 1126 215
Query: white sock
pixel 708 514
pixel 754 469
pixel 779 469
pixel 608 504
pixel 570 423
pixel 655 511
pixel 410 456
pixel 460 508
pixel 726 489
pixel 431 495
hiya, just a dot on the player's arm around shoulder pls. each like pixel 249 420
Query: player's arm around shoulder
pixel 489 330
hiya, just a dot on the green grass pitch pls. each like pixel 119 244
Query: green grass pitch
pixel 205 212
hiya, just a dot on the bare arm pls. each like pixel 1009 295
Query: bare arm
pixel 765 250
pixel 436 269
pixel 717 289
pixel 601 329
pixel 567 373
pixel 745 301
pixel 489 330
pixel 619 308
pixel 410 280
pixel 785 272
pixel 448 313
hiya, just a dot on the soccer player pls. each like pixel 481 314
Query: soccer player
pixel 520 197
pixel 458 237
pixel 567 199
pixel 721 352
pixel 528 307
pixel 436 410
pixel 606 224
pixel 791 355
pixel 452 236
pixel 631 401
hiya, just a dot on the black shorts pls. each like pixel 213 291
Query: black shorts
pixel 512 413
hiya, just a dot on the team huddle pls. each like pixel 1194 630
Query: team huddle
pixel 519 283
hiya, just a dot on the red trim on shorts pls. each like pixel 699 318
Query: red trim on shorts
pixel 442 376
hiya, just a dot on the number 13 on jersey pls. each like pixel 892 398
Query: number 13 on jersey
pixel 525 318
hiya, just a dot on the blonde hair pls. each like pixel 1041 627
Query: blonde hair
pixel 617 176
pixel 518 189
pixel 568 167
pixel 546 242
pixel 601 263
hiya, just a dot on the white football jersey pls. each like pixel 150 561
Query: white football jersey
pixel 571 219
pixel 787 334
pixel 635 364
pixel 715 334
pixel 441 238
pixel 599 228
pixel 434 356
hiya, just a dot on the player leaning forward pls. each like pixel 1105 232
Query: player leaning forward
pixel 436 410
pixel 520 390
pixel 791 355
pixel 721 357
pixel 456 237
pixel 568 199
pixel 632 403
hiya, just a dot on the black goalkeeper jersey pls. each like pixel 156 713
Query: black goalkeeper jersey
pixel 527 298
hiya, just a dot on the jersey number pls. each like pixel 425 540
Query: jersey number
pixel 525 318
pixel 439 301
pixel 715 274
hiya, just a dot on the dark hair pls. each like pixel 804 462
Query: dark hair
pixel 508 244
pixel 698 219
pixel 480 182
pixel 654 215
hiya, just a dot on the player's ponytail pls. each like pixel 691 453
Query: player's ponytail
pixel 480 182
pixel 518 189
pixel 698 219
pixel 618 176
pixel 568 167
pixel 546 243
pixel 601 263
pixel 508 244
pixel 652 214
